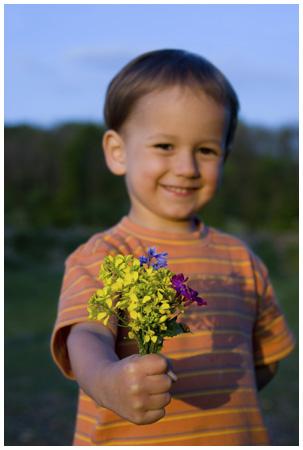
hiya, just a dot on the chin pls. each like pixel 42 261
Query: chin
pixel 180 217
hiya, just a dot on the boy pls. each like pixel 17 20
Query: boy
pixel 171 118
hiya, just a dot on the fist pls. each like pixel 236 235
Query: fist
pixel 139 388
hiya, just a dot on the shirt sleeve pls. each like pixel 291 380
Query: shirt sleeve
pixel 79 283
pixel 272 338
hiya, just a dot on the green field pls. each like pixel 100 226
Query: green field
pixel 40 404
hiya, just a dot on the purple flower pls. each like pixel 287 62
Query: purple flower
pixel 178 283
pixel 194 297
pixel 189 294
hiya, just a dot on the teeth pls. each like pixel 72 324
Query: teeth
pixel 179 190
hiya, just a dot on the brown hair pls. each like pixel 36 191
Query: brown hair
pixel 158 69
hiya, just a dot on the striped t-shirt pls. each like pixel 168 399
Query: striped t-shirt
pixel 214 401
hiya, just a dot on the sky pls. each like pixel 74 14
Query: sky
pixel 59 59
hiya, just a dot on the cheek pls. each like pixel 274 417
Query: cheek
pixel 143 172
pixel 212 174
pixel 150 169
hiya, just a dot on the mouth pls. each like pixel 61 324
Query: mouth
pixel 180 191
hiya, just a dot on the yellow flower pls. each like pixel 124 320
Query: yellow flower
pixel 162 319
pixel 133 314
pixel 164 308
pixel 105 321
pixel 119 260
pixel 165 305
pixel 144 292
pixel 128 279
pixel 131 335
pixel 118 285
pixel 101 315
pixel 109 302
pixel 159 295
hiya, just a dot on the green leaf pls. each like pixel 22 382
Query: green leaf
pixel 174 328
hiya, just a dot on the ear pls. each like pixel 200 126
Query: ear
pixel 114 152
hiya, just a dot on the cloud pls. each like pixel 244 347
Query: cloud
pixel 99 58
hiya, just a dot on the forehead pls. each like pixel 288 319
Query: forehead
pixel 178 108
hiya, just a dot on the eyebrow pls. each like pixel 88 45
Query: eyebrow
pixel 161 135
pixel 171 136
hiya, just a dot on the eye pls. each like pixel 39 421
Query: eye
pixel 164 146
pixel 207 151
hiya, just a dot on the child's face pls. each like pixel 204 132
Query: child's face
pixel 174 143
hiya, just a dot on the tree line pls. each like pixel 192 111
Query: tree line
pixel 58 178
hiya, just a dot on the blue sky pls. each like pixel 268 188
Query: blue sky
pixel 60 58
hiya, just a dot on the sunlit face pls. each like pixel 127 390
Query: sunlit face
pixel 174 143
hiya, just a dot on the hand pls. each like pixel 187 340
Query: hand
pixel 137 388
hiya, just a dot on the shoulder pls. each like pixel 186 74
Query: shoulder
pixel 219 237
pixel 237 248
pixel 115 240
pixel 98 245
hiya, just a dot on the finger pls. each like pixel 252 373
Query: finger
pixel 154 364
pixel 153 416
pixel 158 401
pixel 158 384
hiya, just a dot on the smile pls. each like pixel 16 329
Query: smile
pixel 181 191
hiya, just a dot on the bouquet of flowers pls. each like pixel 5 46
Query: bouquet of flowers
pixel 145 296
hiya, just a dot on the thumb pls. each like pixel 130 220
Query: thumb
pixel 170 370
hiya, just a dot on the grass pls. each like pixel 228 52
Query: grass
pixel 280 400
pixel 40 404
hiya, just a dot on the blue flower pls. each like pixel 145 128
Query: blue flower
pixel 161 259
pixel 151 252
pixel 143 260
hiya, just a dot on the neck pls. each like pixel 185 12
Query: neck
pixel 181 226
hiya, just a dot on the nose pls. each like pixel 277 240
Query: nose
pixel 186 165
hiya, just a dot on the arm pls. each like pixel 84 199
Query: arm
pixel 136 388
pixel 265 373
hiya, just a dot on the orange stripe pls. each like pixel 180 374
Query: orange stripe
pixel 224 295
pixel 237 248
pixel 273 357
pixel 206 312
pixel 84 291
pixel 218 277
pixel 86 418
pixel 75 283
pixel 198 334
pixel 153 240
pixel 212 392
pixel 84 438
pixel 181 353
pixel 72 321
pixel 195 373
pixel 74 308
pixel 174 417
pixel 274 339
pixel 208 261
pixel 272 324
pixel 183 437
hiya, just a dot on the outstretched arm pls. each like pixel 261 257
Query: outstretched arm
pixel 136 388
